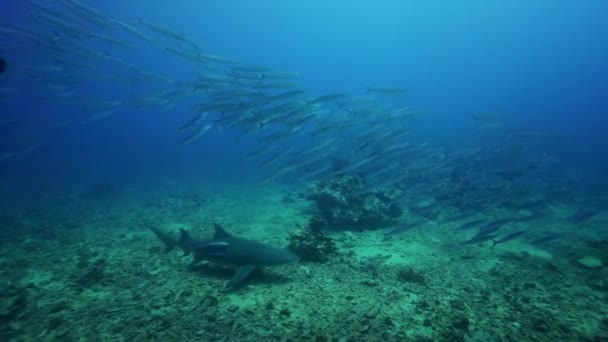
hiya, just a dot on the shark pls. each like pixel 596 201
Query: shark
pixel 227 250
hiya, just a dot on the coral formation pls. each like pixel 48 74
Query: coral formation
pixel 344 203
pixel 311 244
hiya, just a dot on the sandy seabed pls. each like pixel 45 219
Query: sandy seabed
pixel 87 268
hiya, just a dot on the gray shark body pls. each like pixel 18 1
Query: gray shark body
pixel 243 254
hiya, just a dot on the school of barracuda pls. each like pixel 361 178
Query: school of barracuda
pixel 299 136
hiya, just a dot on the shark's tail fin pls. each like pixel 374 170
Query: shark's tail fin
pixel 168 239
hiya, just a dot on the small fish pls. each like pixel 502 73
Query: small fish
pixel 250 68
pixel 29 150
pixel 86 9
pixel 530 135
pixel 278 85
pixel 287 95
pixel 217 59
pixel 508 237
pixel 386 91
pixel 468 225
pixel 399 114
pixel 326 98
pixel 402 229
pixel 131 29
pixel 63 123
pixel 122 62
pixel 4 156
pixel 97 116
pixel 532 217
pixel 280 75
pixel 57 24
pixel 161 30
pixel 479 238
pixel 193 121
pixel 168 33
pixel 488 117
pixel 491 126
pixel 196 134
pixel 276 156
pixel 259 152
pixel 457 217
pixel 583 214
pixel 494 225
pixel 193 57
pixel 92 14
pixel 23 34
pixel 50 11
pixel 111 40
pixel 547 238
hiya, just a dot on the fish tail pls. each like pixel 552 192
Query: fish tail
pixel 508 138
pixel 166 238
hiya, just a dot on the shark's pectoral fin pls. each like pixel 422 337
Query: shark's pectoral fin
pixel 240 274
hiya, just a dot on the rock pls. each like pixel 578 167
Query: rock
pixel 312 244
pixel 345 203
pixel 589 261
pixel 410 276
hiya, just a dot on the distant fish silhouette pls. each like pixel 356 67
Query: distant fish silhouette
pixel 583 214
pixel 546 238
pixel 2 65
pixel 468 225
pixel 478 239
pixel 508 237
pixel 402 229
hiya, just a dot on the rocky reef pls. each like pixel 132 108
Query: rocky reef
pixel 345 204
pixel 311 244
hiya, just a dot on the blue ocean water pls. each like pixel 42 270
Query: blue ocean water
pixel 542 64
pixel 511 99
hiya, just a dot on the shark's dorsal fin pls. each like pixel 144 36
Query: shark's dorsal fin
pixel 220 233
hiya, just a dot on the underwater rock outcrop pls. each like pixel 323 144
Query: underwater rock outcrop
pixel 344 203
pixel 311 244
